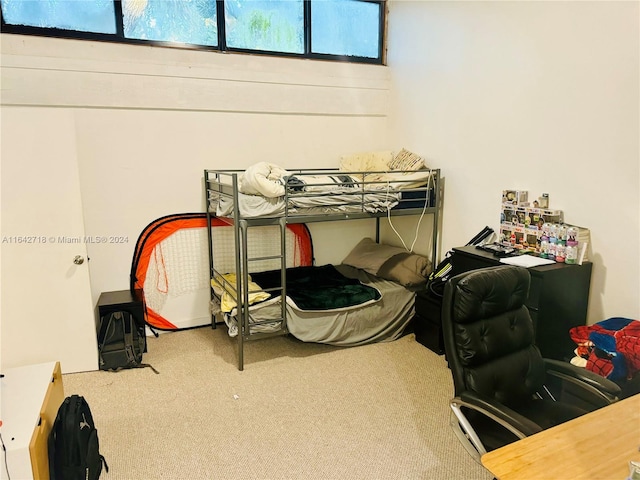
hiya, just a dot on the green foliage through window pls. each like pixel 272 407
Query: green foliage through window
pixel 274 26
pixel 180 21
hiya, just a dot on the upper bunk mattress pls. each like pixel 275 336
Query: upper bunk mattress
pixel 251 206
pixel 268 192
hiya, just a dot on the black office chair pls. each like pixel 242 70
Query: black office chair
pixel 504 389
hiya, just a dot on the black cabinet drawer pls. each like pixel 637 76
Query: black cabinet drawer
pixel 428 306
pixel 535 288
pixel 429 334
pixel 472 259
pixel 427 323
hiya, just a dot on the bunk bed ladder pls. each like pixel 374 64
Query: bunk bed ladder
pixel 243 261
pixel 210 241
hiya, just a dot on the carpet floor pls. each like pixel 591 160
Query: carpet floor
pixel 297 411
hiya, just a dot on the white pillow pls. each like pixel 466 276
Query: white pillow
pixel 366 162
pixel 406 160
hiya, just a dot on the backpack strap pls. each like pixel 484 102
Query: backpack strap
pixel 140 365
pixel 51 444
pixel 102 335
pixel 71 440
pixel 146 365
pixel 128 340
pixel 104 463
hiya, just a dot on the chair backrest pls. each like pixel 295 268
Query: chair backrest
pixel 489 335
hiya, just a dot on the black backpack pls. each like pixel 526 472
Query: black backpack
pixel 121 342
pixel 74 451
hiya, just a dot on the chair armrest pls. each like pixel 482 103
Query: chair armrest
pixel 588 380
pixel 508 418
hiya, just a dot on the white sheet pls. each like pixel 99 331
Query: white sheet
pixel 255 206
pixel 266 310
pixel 263 178
pixel 250 206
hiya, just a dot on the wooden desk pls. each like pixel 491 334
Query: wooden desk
pixel 31 396
pixel 598 445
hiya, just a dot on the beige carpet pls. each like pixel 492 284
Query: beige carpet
pixel 297 411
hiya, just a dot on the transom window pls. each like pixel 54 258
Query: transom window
pixel 342 30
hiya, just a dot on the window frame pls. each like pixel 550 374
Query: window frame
pixel 222 47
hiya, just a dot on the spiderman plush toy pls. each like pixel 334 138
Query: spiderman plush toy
pixel 611 347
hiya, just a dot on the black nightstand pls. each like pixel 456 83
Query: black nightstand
pixel 123 301
pixel 427 323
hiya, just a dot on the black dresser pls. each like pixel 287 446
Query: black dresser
pixel 558 298
pixel 427 324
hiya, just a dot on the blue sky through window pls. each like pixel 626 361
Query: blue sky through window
pixel 342 28
pixel 345 27
pixel 96 16
pixel 182 21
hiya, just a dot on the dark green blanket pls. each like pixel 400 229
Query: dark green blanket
pixel 318 288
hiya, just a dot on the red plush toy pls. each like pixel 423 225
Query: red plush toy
pixel 611 347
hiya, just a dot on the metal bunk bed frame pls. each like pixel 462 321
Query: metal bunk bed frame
pixel 224 183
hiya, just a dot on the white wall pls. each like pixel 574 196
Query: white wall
pixel 537 96
pixel 541 96
pixel 148 121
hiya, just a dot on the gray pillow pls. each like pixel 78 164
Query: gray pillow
pixel 388 262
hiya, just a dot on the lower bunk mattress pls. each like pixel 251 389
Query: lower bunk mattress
pixel 378 320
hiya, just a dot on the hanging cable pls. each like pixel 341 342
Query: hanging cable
pixel 427 202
